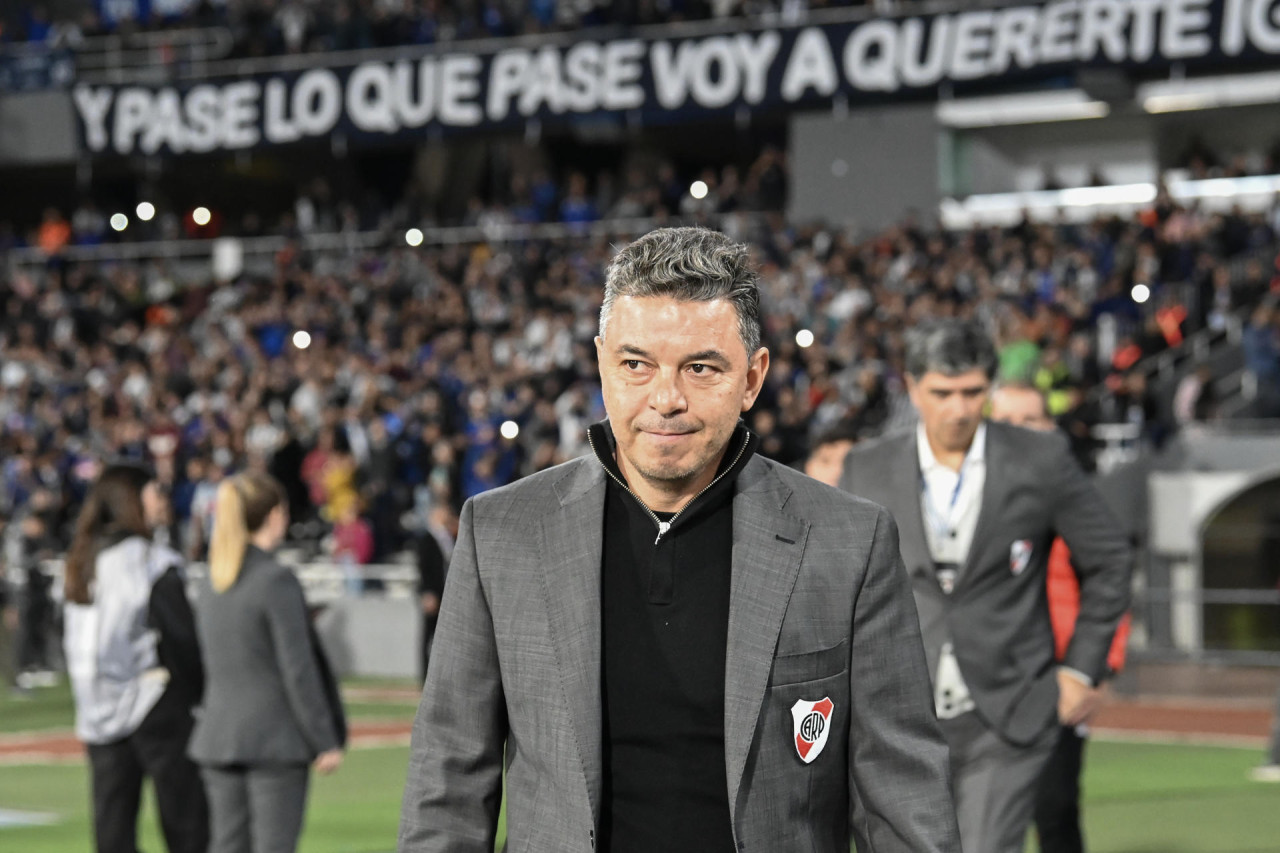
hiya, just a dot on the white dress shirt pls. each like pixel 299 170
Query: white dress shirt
pixel 950 502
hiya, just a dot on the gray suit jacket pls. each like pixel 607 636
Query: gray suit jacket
pixel 819 608
pixel 264 702
pixel 998 619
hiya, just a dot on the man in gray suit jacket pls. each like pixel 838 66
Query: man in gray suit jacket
pixel 673 644
pixel 979 505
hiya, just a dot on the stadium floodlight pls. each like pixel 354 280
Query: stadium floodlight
pixel 301 339
pixel 119 221
pixel 1203 93
pixel 698 189
pixel 1033 108
pixel 414 237
pixel 509 430
pixel 1255 193
pixel 201 216
pixel 1140 293
pixel 146 211
pixel 804 339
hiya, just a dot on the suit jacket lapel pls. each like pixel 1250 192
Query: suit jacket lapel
pixel 767 547
pixel 905 504
pixel 995 491
pixel 572 547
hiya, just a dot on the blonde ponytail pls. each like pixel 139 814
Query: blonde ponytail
pixel 242 506
pixel 230 537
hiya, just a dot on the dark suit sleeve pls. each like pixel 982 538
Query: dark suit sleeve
pixel 169 613
pixel 454 788
pixel 1102 559
pixel 430 565
pixel 898 761
pixel 286 612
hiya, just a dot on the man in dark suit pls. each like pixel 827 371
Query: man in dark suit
pixel 674 643
pixel 979 505
pixel 435 544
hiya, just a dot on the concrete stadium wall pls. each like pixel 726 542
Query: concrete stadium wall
pixel 372 636
pixel 37 128
pixel 868 168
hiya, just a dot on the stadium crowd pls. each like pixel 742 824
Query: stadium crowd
pixel 278 27
pixel 652 189
pixel 418 356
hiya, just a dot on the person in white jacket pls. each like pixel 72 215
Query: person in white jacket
pixel 134 666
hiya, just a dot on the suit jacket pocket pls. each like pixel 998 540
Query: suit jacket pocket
pixel 810 666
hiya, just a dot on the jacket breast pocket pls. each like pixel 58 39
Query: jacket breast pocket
pixel 810 666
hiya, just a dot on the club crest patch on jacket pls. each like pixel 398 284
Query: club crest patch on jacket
pixel 811 722
pixel 1019 555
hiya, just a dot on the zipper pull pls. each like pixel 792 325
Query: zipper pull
pixel 663 527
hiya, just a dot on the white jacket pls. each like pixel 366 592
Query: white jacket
pixel 111 653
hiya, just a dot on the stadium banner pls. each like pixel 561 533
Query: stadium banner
pixel 655 81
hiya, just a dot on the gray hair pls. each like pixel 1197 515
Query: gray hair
pixel 949 347
pixel 691 265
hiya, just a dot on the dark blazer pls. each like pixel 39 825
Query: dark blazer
pixel 819 609
pixel 998 614
pixel 265 700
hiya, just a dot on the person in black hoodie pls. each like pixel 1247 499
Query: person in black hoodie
pixel 134 666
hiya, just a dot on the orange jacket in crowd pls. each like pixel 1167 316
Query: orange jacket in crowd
pixel 1064 607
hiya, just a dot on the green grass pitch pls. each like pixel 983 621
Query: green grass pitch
pixel 1139 797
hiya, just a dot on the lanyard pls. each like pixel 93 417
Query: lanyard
pixel 941 523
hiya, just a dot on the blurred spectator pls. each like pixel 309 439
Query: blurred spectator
pixel 419 356
pixel 1262 358
pixel 826 459
pixel 1194 401
pixel 54 234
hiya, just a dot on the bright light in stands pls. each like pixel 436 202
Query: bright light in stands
pixel 413 237
pixel 201 216
pixel 1140 293
pixel 119 221
pixel 698 189
pixel 804 339
pixel 146 211
pixel 301 339
pixel 509 430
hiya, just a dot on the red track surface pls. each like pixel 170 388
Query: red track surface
pixel 1173 720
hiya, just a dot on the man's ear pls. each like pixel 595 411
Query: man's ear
pixel 757 369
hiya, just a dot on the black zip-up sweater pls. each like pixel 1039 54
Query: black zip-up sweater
pixel 665 624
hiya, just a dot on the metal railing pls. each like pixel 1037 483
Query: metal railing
pixel 127 63
pixel 193 259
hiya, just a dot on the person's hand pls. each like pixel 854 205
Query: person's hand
pixel 327 762
pixel 1077 701
pixel 430 603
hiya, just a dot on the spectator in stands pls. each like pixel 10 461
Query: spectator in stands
pixel 352 543
pixel 134 666
pixel 1262 358
pixel 826 460
pixel 54 234
pixel 271 708
pixel 1194 401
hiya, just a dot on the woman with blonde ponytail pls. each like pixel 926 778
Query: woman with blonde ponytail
pixel 130 643
pixel 270 708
